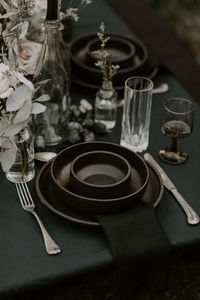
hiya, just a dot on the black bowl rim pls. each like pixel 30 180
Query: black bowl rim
pixel 107 186
pixel 114 38
pixel 106 200
pixel 120 71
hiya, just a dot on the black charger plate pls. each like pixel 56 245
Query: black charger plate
pixel 46 192
pixel 60 172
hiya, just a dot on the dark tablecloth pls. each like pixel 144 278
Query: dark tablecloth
pixel 24 265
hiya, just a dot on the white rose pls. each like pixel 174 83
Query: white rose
pixel 28 55
pixel 5 84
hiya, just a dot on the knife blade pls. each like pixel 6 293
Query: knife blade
pixel 192 216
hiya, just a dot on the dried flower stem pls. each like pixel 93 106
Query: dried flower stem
pixel 104 58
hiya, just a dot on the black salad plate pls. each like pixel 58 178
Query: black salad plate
pixel 47 195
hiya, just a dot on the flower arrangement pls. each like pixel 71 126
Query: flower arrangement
pixel 17 105
pixel 103 57
pixel 40 6
pixel 20 14
pixel 18 101
pixel 72 12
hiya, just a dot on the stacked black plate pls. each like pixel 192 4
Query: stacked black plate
pixel 54 190
pixel 129 53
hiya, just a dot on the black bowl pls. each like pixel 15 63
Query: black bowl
pixel 101 173
pixel 60 172
pixel 121 51
pixel 93 75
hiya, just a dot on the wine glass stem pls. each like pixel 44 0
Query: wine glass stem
pixel 174 145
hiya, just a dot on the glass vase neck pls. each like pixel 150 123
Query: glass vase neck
pixel 51 24
pixel 107 85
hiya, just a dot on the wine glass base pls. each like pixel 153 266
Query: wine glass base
pixel 173 158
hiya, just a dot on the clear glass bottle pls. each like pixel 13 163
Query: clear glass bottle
pixel 23 168
pixel 52 123
pixel 106 105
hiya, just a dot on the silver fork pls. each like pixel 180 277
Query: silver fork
pixel 28 205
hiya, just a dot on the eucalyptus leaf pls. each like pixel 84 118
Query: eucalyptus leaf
pixel 24 80
pixel 43 98
pixel 7 157
pixel 15 27
pixel 39 83
pixel 4 123
pixel 24 29
pixel 6 93
pixel 13 129
pixel 7 15
pixel 24 112
pixel 38 108
pixel 17 98
pixel 5 5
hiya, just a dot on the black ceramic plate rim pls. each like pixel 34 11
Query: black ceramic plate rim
pixel 106 200
pixel 90 221
pixel 80 82
pixel 91 36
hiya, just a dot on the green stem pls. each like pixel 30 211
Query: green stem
pixel 24 153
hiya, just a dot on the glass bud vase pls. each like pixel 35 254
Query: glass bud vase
pixel 106 105
pixel 23 168
pixel 53 122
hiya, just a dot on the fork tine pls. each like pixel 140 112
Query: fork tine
pixel 20 194
pixel 28 193
pixel 27 199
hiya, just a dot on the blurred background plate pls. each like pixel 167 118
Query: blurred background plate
pixel 85 74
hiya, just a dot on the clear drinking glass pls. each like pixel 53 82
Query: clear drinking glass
pixel 136 113
pixel 176 122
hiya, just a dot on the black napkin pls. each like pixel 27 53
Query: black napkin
pixel 140 250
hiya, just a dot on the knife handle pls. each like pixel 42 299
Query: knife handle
pixel 192 217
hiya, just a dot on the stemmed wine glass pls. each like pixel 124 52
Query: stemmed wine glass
pixel 177 122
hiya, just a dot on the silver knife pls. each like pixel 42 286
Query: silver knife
pixel 192 217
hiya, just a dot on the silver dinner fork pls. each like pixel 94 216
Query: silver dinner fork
pixel 28 205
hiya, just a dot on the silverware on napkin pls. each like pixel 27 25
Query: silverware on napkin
pixel 192 217
pixel 28 205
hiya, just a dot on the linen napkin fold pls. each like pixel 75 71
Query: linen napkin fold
pixel 140 250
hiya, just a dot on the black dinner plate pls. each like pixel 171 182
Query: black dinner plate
pixel 46 192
